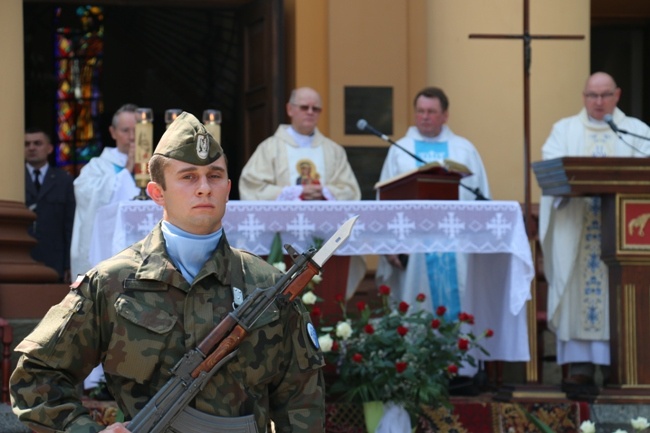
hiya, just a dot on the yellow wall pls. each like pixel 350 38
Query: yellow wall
pixel 308 62
pixel 336 43
pixel 12 105
pixel 410 44
pixel 369 42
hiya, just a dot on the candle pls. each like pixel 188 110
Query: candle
pixel 143 145
pixel 212 122
pixel 171 115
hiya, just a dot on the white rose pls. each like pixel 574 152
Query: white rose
pixel 343 330
pixel 620 431
pixel 316 279
pixel 640 423
pixel 588 427
pixel 281 266
pixel 309 298
pixel 326 342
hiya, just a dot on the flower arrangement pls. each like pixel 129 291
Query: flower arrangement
pixel 398 353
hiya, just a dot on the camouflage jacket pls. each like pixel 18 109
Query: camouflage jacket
pixel 137 315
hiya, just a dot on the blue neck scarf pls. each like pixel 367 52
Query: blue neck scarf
pixel 188 251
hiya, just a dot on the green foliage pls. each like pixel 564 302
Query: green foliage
pixel 276 254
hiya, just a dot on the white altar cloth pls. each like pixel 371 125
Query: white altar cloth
pixel 493 232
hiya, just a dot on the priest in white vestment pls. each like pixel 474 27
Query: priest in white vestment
pixel 105 179
pixel 578 291
pixel 440 276
pixel 298 162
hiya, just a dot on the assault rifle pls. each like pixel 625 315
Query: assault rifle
pixel 198 365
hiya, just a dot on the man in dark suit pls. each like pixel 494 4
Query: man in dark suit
pixel 50 194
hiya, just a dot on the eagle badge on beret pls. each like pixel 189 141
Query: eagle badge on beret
pixel 202 145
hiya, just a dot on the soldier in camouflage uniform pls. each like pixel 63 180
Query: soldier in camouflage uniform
pixel 140 311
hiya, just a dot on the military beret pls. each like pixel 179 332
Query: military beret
pixel 187 140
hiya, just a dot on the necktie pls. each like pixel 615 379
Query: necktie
pixel 37 182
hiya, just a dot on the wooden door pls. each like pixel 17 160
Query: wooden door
pixel 263 93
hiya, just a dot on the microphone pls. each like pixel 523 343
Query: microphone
pixel 610 121
pixel 618 131
pixel 363 125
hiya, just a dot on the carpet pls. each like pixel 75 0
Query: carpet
pixel 472 416
pixel 502 417
pixel 468 415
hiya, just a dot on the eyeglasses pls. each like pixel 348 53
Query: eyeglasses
pixel 306 108
pixel 595 96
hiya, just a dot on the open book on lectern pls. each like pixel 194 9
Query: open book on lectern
pixel 436 167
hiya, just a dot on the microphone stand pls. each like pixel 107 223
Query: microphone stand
pixel 618 131
pixel 476 191
pixel 623 131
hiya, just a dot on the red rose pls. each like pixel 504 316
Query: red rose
pixel 420 297
pixel 470 319
pixel 357 358
pixel 361 305
pixel 335 346
pixel 435 323
pixel 400 366
pixel 316 312
pixel 463 344
pixel 402 330
pixel 339 298
pixel 368 329
pixel 384 290
pixel 463 316
pixel 452 369
pixel 441 310
pixel 489 333
pixel 403 307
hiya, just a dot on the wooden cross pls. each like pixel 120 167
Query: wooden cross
pixel 527 39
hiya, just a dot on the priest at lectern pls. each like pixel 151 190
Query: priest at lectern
pixel 441 276
pixel 578 283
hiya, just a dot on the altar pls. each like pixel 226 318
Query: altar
pixel 491 232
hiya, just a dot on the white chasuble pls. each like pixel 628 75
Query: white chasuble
pixel 590 275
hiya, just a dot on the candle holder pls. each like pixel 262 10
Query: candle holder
pixel 143 149
pixel 212 122
pixel 171 115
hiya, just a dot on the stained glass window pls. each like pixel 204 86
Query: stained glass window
pixel 78 59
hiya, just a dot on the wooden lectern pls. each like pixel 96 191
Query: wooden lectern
pixel 428 182
pixel 624 185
